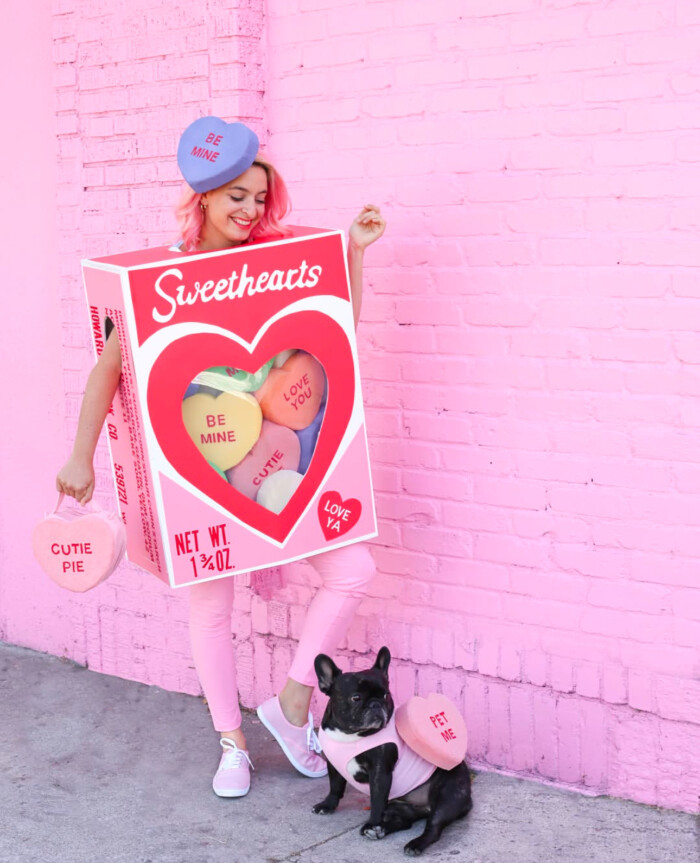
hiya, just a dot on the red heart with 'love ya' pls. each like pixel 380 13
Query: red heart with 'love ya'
pixel 181 361
pixel 434 728
pixel 336 515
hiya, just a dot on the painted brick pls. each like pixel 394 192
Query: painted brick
pixel 593 121
pixel 598 54
pixel 499 750
pixel 561 674
pixel 535 668
pixel 588 679
pixel 641 691
pixel 545 734
pixel 568 716
pixel 615 684
pixel 594 745
pixel 477 716
pixel 677 699
pixel 510 663
pixel 606 22
pixel 634 734
pixel 404 681
pixel 404 43
pixel 592 185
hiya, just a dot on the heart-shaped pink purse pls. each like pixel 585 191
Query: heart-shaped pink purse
pixel 78 549
pixel 434 728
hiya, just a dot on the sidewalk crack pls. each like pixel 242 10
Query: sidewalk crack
pixel 294 856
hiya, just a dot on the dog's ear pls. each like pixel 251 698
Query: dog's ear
pixel 326 671
pixel 383 659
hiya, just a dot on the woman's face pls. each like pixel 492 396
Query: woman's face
pixel 233 210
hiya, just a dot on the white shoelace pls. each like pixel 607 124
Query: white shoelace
pixel 311 739
pixel 233 756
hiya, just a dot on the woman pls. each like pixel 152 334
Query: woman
pixel 241 198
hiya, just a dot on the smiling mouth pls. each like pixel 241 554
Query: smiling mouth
pixel 243 223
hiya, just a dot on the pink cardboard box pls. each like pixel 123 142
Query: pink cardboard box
pixel 189 485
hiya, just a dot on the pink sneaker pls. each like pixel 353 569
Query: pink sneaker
pixel 232 779
pixel 300 745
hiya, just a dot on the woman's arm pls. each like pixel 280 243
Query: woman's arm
pixel 77 477
pixel 365 229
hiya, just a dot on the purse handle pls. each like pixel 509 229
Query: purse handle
pixel 61 495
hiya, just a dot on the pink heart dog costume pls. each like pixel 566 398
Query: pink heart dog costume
pixel 410 771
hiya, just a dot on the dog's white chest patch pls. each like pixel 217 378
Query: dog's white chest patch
pixel 354 769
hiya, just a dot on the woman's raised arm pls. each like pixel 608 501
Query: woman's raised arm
pixel 367 227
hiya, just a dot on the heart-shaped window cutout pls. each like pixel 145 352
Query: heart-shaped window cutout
pixel 185 358
pixel 258 430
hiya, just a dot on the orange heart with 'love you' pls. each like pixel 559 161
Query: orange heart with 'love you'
pixel 291 396
pixel 434 728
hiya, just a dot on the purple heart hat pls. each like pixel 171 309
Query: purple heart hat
pixel 212 152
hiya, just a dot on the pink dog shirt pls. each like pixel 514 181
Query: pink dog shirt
pixel 411 770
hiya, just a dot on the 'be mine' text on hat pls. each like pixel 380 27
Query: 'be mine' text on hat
pixel 212 152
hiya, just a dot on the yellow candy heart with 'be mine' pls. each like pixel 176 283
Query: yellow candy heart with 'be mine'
pixel 224 429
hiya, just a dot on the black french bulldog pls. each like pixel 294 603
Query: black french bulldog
pixel 360 706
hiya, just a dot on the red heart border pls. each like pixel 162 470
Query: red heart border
pixel 183 359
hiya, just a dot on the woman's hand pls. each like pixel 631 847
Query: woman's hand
pixel 367 227
pixel 77 479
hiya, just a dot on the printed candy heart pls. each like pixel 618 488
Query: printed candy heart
pixel 282 358
pixel 185 357
pixel 78 551
pixel 336 515
pixel 277 490
pixel 212 152
pixel 228 380
pixel 277 449
pixel 307 439
pixel 291 396
pixel 434 728
pixel 223 429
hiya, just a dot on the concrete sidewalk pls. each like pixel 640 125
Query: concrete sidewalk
pixel 94 768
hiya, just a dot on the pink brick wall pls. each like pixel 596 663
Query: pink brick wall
pixel 32 419
pixel 528 358
pixel 529 346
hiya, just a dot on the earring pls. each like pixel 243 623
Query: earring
pixel 202 206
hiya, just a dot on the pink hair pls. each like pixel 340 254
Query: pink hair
pixel 190 216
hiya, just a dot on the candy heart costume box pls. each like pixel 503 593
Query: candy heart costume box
pixel 237 435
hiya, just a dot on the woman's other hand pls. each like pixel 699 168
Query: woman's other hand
pixel 367 227
pixel 76 479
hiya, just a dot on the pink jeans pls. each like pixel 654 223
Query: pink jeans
pixel 346 574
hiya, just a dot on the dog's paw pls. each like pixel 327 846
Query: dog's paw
pixel 412 849
pixel 323 808
pixel 373 831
